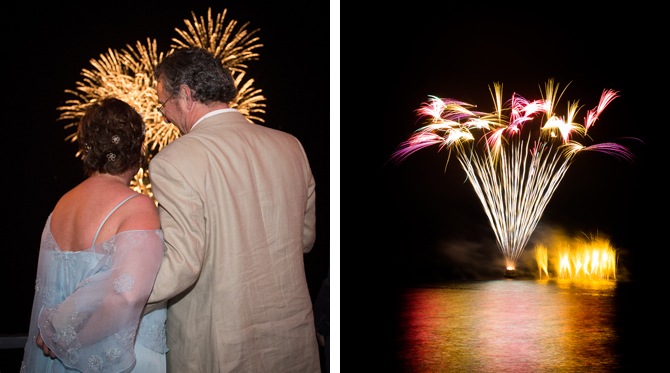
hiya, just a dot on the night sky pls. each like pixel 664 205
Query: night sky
pixel 422 224
pixel 46 48
pixel 414 223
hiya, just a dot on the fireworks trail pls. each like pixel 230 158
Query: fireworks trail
pixel 129 76
pixel 513 167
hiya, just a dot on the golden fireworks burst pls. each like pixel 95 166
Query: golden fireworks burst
pixel 128 76
pixel 233 52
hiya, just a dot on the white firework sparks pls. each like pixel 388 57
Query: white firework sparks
pixel 513 178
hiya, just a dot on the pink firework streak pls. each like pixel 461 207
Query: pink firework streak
pixel 415 143
pixel 612 149
pixel 592 115
pixel 515 178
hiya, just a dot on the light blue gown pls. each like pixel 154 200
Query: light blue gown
pixel 88 306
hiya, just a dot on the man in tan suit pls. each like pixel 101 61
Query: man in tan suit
pixel 236 205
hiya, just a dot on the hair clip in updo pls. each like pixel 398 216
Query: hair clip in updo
pixel 111 157
pixel 116 139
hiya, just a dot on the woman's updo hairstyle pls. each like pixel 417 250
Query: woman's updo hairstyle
pixel 111 137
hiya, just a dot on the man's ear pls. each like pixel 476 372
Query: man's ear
pixel 188 96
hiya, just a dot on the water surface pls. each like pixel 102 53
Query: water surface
pixel 517 326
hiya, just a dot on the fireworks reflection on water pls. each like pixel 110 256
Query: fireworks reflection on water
pixel 514 325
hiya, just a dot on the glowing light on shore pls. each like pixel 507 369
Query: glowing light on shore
pixel 594 259
pixel 542 259
pixel 564 267
pixel 128 75
pixel 513 167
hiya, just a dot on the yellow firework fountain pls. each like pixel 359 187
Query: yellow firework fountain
pixel 592 259
pixel 128 76
pixel 541 256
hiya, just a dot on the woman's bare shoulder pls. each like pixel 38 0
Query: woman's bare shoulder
pixel 140 214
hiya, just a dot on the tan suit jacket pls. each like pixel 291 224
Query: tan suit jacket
pixel 236 204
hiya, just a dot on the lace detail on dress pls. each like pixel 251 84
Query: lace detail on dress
pixel 151 333
pixel 123 283
pixel 64 261
pixel 112 354
pixel 72 354
pixel 86 256
pixel 128 337
pixel 154 333
pixel 134 238
pixel 49 295
pixel 95 363
pixel 49 239
pixel 67 335
pixel 83 284
pixel 109 245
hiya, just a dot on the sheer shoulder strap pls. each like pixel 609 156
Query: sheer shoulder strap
pixel 108 215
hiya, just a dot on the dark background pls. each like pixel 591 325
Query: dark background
pixel 414 211
pixel 46 47
pixel 414 223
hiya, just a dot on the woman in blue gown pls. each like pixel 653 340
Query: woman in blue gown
pixel 100 251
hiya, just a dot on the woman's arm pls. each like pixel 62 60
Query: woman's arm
pixel 97 324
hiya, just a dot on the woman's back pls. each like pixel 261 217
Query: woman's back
pixel 80 213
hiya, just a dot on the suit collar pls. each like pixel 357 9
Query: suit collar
pixel 218 116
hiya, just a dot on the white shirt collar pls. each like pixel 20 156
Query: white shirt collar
pixel 212 113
